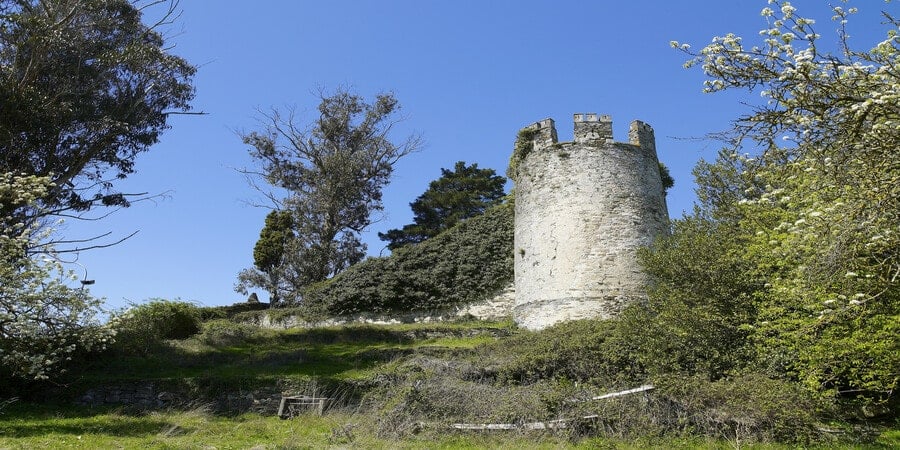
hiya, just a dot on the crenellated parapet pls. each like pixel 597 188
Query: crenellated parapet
pixel 642 135
pixel 543 133
pixel 592 127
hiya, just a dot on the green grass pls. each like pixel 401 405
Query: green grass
pixel 34 426
pixel 339 353
pixel 29 426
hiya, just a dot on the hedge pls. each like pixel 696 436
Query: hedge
pixel 464 264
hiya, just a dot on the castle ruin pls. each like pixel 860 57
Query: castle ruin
pixel 582 210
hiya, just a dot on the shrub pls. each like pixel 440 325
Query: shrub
pixel 422 390
pixel 277 317
pixel 223 332
pixel 230 311
pixel 746 407
pixel 696 319
pixel 584 351
pixel 466 263
pixel 143 327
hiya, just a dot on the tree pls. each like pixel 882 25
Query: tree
pixel 43 322
pixel 699 306
pixel 333 172
pixel 457 195
pixel 85 87
pixel 269 257
pixel 817 205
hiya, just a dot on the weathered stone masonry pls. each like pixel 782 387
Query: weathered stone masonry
pixel 583 208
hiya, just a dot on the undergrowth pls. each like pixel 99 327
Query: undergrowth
pixel 407 385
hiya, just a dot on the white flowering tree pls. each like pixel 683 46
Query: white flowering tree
pixel 43 321
pixel 818 201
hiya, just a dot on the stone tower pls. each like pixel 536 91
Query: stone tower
pixel 583 208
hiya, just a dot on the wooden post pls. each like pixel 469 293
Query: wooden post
pixel 281 411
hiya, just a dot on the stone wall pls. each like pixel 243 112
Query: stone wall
pixel 149 395
pixel 139 394
pixel 583 208
pixel 498 307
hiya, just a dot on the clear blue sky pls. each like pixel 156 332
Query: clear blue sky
pixel 469 75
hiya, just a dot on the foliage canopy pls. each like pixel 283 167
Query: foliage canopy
pixel 811 217
pixel 43 322
pixel 333 172
pixel 270 257
pixel 464 192
pixel 85 86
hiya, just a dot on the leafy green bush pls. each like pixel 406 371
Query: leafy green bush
pixel 696 320
pixel 143 327
pixel 747 407
pixel 223 332
pixel 584 351
pixel 464 264
pixel 230 311
pixel 275 315
pixel 814 207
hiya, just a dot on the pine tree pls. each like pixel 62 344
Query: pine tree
pixel 464 192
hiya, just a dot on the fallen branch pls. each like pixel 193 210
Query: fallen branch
pixel 552 424
pixel 557 424
pixel 646 387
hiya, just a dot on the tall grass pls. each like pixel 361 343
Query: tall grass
pixel 29 426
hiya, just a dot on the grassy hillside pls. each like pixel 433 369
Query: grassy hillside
pixel 260 356
pixel 402 387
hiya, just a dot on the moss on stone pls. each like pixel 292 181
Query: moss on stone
pixel 523 146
